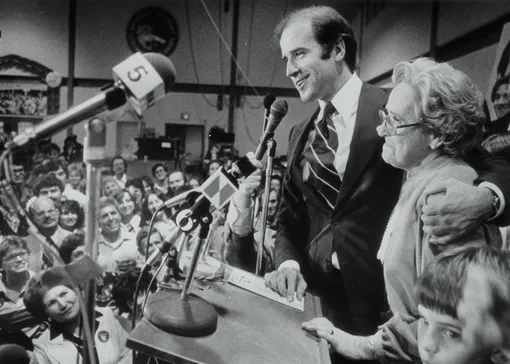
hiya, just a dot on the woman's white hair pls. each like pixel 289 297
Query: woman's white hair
pixel 446 100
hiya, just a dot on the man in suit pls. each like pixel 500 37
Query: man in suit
pixel 330 245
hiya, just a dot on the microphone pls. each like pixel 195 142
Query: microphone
pixel 180 198
pixel 141 80
pixel 268 101
pixel 157 254
pixel 278 110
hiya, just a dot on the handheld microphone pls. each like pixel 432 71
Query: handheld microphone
pixel 278 110
pixel 268 101
pixel 157 254
pixel 141 80
pixel 180 198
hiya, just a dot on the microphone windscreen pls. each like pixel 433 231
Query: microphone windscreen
pixel 13 354
pixel 268 101
pixel 279 109
pixel 165 68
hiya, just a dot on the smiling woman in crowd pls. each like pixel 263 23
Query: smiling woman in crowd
pixel 50 296
pixel 128 211
pixel 72 216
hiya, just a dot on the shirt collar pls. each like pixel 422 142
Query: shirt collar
pixel 346 99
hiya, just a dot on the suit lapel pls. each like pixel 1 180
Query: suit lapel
pixel 297 145
pixel 364 140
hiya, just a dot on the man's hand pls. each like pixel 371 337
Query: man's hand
pixel 484 310
pixel 286 281
pixel 452 209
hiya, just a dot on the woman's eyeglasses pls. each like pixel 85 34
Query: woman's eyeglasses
pixel 390 123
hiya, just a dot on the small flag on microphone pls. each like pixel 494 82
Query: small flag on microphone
pixel 219 188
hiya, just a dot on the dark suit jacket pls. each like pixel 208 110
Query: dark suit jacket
pixel 309 232
pixel 499 126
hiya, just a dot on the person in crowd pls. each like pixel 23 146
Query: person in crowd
pixel 14 277
pixel 69 193
pixel 50 186
pixel 128 211
pixel 151 204
pixel 194 183
pixel 212 167
pixel 45 215
pixel 500 98
pixel 62 159
pixel 333 212
pixel 73 150
pixel 242 249
pixel 53 152
pixel 76 177
pixel 72 249
pixel 176 180
pixel 160 233
pixel 117 247
pixel 137 190
pixel 72 216
pixel 119 168
pixel 160 174
pixel 51 297
pixel 124 290
pixel 109 186
pixel 19 180
pixel 148 185
pixel 218 234
pixel 276 182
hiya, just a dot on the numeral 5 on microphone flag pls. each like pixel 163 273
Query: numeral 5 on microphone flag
pixel 219 188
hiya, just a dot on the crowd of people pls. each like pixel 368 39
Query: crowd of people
pixel 392 209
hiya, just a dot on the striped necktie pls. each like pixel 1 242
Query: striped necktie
pixel 320 158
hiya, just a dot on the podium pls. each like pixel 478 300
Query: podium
pixel 251 330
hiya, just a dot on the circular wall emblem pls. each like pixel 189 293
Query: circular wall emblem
pixel 152 30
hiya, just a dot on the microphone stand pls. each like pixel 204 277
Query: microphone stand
pixel 94 154
pixel 183 313
pixel 271 149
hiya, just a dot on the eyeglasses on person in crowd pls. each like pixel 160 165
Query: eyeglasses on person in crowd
pixel 11 258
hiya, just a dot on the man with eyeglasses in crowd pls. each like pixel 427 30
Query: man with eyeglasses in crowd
pixel 160 174
pixel 338 192
pixel 45 215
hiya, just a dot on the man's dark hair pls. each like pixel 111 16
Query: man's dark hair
pixel 328 27
pixel 123 160
pixel 156 166
pixel 136 183
pixel 46 181
pixel 501 81
pixel 54 166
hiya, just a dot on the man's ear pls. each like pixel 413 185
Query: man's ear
pixel 339 50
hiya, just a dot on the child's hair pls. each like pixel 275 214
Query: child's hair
pixel 441 284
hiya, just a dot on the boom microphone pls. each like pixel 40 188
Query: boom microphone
pixel 141 80
pixel 277 112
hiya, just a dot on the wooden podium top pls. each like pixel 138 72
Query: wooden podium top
pixel 251 330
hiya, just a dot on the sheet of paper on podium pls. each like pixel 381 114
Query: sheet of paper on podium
pixel 257 285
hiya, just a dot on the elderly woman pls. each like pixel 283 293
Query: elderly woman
pixel 128 211
pixel 14 278
pixel 50 296
pixel 433 118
